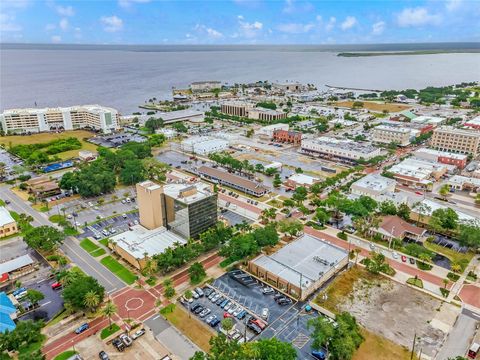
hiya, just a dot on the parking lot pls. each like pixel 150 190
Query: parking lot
pixel 287 323
pixel 49 306
pixel 234 218
pixel 108 227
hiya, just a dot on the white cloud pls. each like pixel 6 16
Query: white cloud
pixel 418 16
pixel 331 23
pixel 50 27
pixel 291 6
pixel 211 33
pixel 111 23
pixel 127 3
pixel 453 5
pixel 63 24
pixel 250 30
pixel 348 23
pixel 378 28
pixel 64 10
pixel 56 39
pixel 295 28
pixel 240 17
pixel 8 24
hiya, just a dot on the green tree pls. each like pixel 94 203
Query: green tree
pixel 290 227
pixel 169 292
pixel 91 300
pixel 132 172
pixel 388 208
pixel 26 333
pixel 270 349
pixel 108 310
pixel 444 220
pixel 321 216
pixel 197 273
pixel 153 124
pixel 268 214
pixel 227 324
pixel 444 190
pixel 34 296
pixel 470 234
pixel 75 292
pixel 154 169
pixel 403 211
pixel 45 238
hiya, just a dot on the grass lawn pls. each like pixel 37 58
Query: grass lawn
pixel 342 286
pixel 92 248
pixel 118 269
pixel 59 317
pixel 104 242
pixel 376 106
pixel 47 137
pixel 415 282
pixel 31 348
pixel 377 347
pixel 106 332
pixel 65 355
pixel 275 203
pixel 196 331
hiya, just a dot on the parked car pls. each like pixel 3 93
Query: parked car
pixel 195 295
pixel 267 290
pixel 404 258
pixel 19 293
pixel 209 319
pixel 214 322
pixel 228 306
pixel 56 285
pixel 103 355
pixel 194 307
pixel 242 314
pixel 81 328
pixel 199 291
pixel 199 309
pixel 224 303
pixel 237 311
pixel 395 255
pixel 412 261
pixel 265 313
pixel 212 295
pixel 232 309
pixel 227 315
pixel 220 300
pixel 137 334
pixel 127 340
pixel 119 345
pixel 319 354
pixel 205 312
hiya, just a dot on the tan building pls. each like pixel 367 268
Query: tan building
pixel 266 114
pixel 236 108
pixel 301 267
pixel 149 199
pixel 389 134
pixel 447 138
pixel 8 225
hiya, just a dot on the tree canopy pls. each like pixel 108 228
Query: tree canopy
pixel 45 238
pixel 76 291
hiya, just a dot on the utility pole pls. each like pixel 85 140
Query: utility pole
pixel 413 346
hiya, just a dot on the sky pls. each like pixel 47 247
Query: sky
pixel 238 21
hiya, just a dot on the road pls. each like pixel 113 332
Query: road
pixel 70 247
pixel 460 336
pixel 89 265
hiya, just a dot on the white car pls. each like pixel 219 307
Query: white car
pixel 265 313
pixel 395 255
pixel 232 309
pixel 137 334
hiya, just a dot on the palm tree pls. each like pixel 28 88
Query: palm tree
pixel 456 267
pixel 167 282
pixel 268 214
pixel 445 282
pixel 109 310
pixel 425 258
pixel 91 300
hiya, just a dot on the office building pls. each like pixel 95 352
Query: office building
pixel 289 87
pixel 339 149
pixel 444 157
pixel 234 181
pixel 266 115
pixel 202 86
pixel 149 199
pixel 93 117
pixel 203 145
pixel 185 209
pixel 8 225
pixel 236 108
pixel 301 267
pixel 286 136
pixel 447 138
pixel 391 134
pixel 373 185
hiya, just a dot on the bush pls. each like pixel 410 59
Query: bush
pixel 424 266
pixel 444 292
pixel 452 276
pixel 342 235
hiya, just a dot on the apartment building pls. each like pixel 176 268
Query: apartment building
pixel 447 138
pixel 390 134
pixel 94 117
pixel 339 149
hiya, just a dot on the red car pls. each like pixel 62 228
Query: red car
pixel 56 285
pixel 404 258
pixel 418 193
pixel 227 315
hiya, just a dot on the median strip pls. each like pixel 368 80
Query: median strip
pixel 118 269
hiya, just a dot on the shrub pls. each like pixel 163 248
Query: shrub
pixel 342 235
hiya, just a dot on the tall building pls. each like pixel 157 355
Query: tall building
pixel 149 198
pixel 447 138
pixel 185 209
pixel 94 117
pixel 389 134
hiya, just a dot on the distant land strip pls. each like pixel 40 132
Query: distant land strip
pixel 419 52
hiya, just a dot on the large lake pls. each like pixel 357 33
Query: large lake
pixel 124 78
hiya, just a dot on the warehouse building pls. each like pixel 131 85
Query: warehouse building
pixel 301 267
pixel 181 115
pixel 203 145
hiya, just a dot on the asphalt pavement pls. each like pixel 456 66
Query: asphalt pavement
pixel 49 306
pixel 460 337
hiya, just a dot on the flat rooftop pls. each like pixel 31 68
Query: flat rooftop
pixel 231 178
pixel 179 114
pixel 440 153
pixel 303 179
pixel 391 128
pixel 91 108
pixel 309 256
pixel 452 130
pixel 15 264
pixel 375 182
pixel 190 193
pixel 344 144
pixel 417 168
pixel 140 241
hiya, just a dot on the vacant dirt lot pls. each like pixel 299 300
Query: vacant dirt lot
pixel 374 106
pixel 394 311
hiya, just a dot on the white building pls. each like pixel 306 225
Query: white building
pixel 433 120
pixel 419 172
pixel 94 117
pixel 202 145
pixel 199 86
pixel 340 149
pixel 168 133
pixel 301 180
pixel 373 185
pixel 267 131
pixel 181 115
